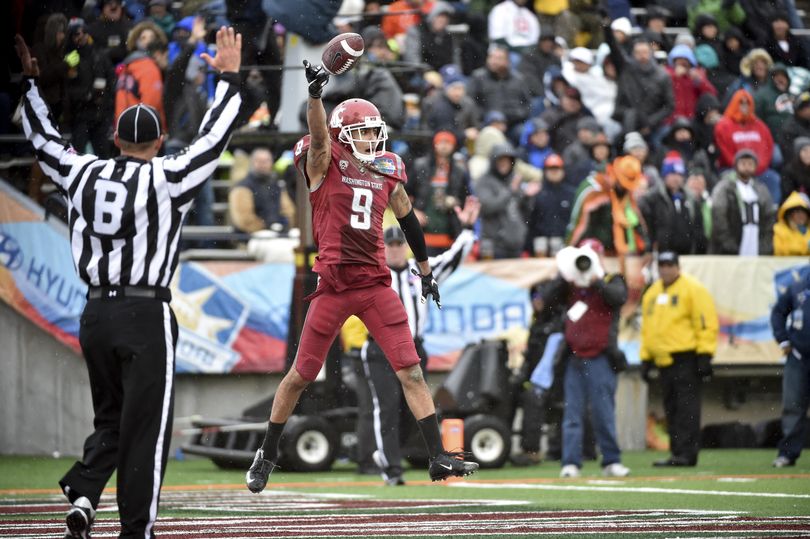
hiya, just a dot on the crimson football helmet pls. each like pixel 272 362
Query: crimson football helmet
pixel 349 119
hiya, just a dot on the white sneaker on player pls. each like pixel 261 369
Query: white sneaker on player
pixel 569 470
pixel 617 469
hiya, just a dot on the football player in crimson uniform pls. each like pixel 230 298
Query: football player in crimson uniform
pixel 351 180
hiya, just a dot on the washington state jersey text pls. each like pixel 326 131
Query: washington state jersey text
pixel 348 206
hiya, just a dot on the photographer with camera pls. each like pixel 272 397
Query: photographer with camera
pixel 592 301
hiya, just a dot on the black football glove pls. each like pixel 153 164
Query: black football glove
pixel 646 370
pixel 317 78
pixel 429 287
pixel 704 367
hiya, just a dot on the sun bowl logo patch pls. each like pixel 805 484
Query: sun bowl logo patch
pixel 343 164
pixel 385 165
pixel 11 255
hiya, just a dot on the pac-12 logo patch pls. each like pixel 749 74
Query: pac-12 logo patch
pixel 385 165
pixel 343 164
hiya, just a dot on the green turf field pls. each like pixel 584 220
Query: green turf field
pixel 724 480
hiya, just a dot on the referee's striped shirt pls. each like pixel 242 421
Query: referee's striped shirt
pixel 409 287
pixel 125 214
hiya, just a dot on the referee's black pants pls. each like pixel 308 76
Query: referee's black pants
pixel 682 387
pixel 383 417
pixel 128 345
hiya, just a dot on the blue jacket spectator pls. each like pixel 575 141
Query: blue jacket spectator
pixel 535 143
pixel 551 210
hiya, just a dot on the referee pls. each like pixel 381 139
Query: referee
pixel 379 392
pixel 125 216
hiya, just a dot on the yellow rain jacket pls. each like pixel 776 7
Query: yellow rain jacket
pixel 679 318
pixel 788 240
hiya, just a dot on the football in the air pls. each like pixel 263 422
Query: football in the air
pixel 342 52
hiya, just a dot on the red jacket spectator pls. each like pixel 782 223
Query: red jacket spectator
pixel 740 128
pixel 689 82
pixel 395 23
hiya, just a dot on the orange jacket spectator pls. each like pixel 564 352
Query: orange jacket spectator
pixel 395 23
pixel 139 81
pixel 740 128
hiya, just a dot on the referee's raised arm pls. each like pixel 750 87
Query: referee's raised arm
pixel 188 169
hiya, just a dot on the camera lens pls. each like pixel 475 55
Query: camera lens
pixel 583 263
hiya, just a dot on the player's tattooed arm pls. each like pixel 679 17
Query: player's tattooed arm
pixel 400 202
pixel 319 153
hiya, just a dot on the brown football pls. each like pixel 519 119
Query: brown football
pixel 342 52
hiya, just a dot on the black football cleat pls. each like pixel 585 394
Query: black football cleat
pixel 80 519
pixel 256 477
pixel 451 464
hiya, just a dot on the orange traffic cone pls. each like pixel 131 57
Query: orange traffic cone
pixel 453 434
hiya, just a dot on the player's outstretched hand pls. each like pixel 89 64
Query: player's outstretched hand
pixel 229 51
pixel 317 77
pixel 29 64
pixel 429 287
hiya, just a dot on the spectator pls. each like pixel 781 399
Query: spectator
pixel 402 14
pixel 793 339
pixel 513 25
pixel 621 30
pixel 738 129
pixel 606 209
pixel 782 45
pixel 593 301
pixel 159 14
pixel 452 110
pixel 707 32
pixel 597 91
pixel 797 173
pixel 578 155
pixel 140 79
pixel 90 90
pixel 260 201
pixel 558 17
pixel 673 217
pixel 727 13
pixel 681 139
pixel 504 199
pixel 439 188
pixel 534 63
pixel 657 23
pixel 535 143
pixel 474 44
pixel 490 136
pixel 719 77
pixel 644 99
pixel 429 41
pixel 791 236
pixel 551 210
pixel 773 102
pixel 635 145
pixel 696 185
pixel 754 69
pixel 796 126
pixel 707 114
pixel 742 211
pixel 689 82
pixel 53 69
pixel 760 14
pixel 563 120
pixel 144 34
pixel 498 87
pixel 679 330
pixel 110 31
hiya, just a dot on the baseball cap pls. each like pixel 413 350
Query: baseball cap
pixel 581 54
pixel 444 136
pixel 745 152
pixel 451 74
pixel 393 234
pixel 139 123
pixel 553 160
pixel 668 257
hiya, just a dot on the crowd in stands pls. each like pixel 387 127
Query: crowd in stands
pixel 568 119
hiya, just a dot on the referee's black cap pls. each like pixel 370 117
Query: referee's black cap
pixel 139 123
pixel 393 234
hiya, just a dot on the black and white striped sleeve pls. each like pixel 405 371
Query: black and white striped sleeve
pixel 188 169
pixel 57 158
pixel 446 263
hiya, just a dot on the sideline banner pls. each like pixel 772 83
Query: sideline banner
pixel 233 316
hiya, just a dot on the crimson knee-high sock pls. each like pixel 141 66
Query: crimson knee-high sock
pixel 271 438
pixel 429 427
